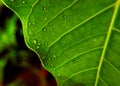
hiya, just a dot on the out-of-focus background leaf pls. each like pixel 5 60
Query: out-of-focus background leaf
pixel 19 66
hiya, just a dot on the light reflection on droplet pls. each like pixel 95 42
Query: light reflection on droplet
pixel 38 47
pixel 29 23
pixel 74 61
pixel 64 16
pixel 51 65
pixel 49 59
pixel 34 41
pixel 44 29
pixel 54 56
pixel 46 44
pixel 23 1
pixel 44 8
pixel 58 75
pixel 46 18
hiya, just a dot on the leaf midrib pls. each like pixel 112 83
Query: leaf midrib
pixel 107 40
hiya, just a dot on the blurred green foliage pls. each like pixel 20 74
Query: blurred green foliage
pixel 19 66
pixel 7 37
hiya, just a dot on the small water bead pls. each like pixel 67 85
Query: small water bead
pixel 34 41
pixel 51 65
pixel 74 61
pixel 58 75
pixel 46 18
pixel 52 29
pixel 33 23
pixel 49 59
pixel 23 1
pixel 38 47
pixel 44 8
pixel 44 29
pixel 30 32
pixel 39 44
pixel 64 16
pixel 29 23
pixel 54 56
pixel 46 44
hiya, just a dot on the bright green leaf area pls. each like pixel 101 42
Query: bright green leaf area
pixel 7 36
pixel 78 41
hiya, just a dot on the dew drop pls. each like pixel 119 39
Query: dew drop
pixel 64 16
pixel 44 8
pixel 74 62
pixel 29 23
pixel 30 32
pixel 44 29
pixel 46 18
pixel 38 47
pixel 54 56
pixel 52 29
pixel 46 44
pixel 39 44
pixel 23 1
pixel 34 41
pixel 33 23
pixel 51 65
pixel 58 75
pixel 49 59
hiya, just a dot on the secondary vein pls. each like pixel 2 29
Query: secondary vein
pixel 107 40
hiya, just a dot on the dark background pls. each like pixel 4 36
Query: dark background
pixel 19 66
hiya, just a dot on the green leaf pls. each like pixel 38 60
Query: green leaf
pixel 77 40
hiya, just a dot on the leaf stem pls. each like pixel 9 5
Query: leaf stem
pixel 107 40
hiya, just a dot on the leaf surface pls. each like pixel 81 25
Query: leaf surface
pixel 77 40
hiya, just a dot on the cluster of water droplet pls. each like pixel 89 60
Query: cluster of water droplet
pixel 37 44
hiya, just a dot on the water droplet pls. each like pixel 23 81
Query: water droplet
pixel 34 41
pixel 46 44
pixel 74 61
pixel 23 1
pixel 30 32
pixel 46 18
pixel 65 16
pixel 44 29
pixel 58 75
pixel 39 44
pixel 12 0
pixel 51 65
pixel 54 56
pixel 49 59
pixel 33 23
pixel 38 47
pixel 52 29
pixel 29 23
pixel 44 8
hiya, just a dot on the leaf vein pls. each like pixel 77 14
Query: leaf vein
pixel 111 65
pixel 90 50
pixel 81 71
pixel 103 81
pixel 117 30
pixel 80 42
pixel 83 22
pixel 58 14
pixel 107 40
